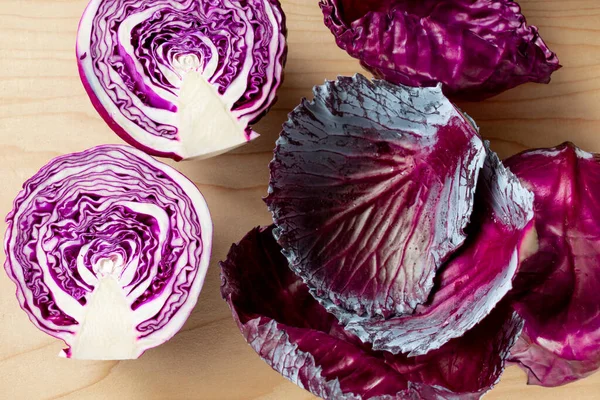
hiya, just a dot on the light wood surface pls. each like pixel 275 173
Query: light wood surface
pixel 44 112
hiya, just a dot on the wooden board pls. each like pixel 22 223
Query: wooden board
pixel 44 112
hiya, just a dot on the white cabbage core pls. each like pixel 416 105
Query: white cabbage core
pixel 206 125
pixel 107 330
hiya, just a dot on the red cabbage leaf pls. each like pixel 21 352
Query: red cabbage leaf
pixel 297 337
pixel 475 279
pixel 557 289
pixel 371 187
pixel 476 48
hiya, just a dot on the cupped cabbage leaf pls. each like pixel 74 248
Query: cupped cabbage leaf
pixel 371 187
pixel 476 278
pixel 297 337
pixel 476 48
pixel 557 290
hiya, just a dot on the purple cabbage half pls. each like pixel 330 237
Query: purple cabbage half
pixel 296 336
pixel 108 249
pixel 182 78
pixel 475 48
pixel 557 290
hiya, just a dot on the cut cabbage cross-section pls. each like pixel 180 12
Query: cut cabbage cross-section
pixel 108 249
pixel 182 79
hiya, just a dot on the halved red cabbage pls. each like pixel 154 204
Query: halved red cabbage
pixel 108 249
pixel 476 48
pixel 182 78
pixel 371 187
pixel 557 289
pixel 297 337
pixel 475 279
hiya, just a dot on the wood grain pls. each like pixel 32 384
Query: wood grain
pixel 44 112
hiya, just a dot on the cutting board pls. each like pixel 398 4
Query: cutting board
pixel 44 112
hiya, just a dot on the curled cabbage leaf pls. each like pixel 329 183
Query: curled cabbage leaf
pixel 371 187
pixel 475 279
pixel 476 48
pixel 297 337
pixel 557 290
pixel 182 78
pixel 108 249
